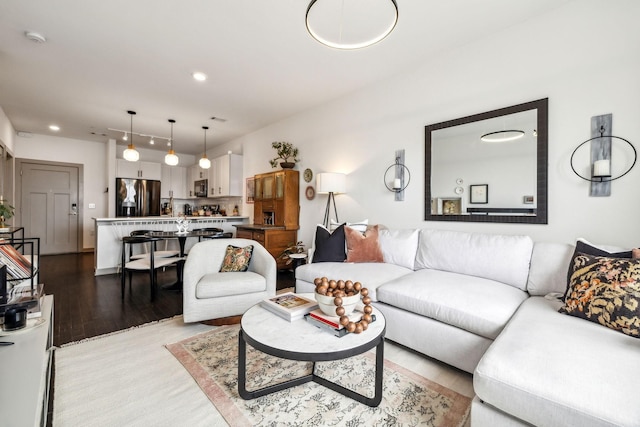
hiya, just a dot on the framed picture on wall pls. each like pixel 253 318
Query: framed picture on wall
pixel 479 194
pixel 251 190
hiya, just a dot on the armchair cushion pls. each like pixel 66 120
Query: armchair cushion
pixel 236 259
pixel 233 283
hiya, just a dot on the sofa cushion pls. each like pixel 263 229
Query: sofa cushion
pixel 478 305
pixel 329 247
pixel 492 256
pixel 371 275
pixel 548 271
pixel 554 370
pixel 226 284
pixel 399 246
pixel 236 259
pixel 363 247
pixel 606 291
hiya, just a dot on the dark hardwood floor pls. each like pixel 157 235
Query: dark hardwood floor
pixel 86 305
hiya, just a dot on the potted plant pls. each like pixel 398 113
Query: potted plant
pixel 294 248
pixel 287 155
pixel 6 212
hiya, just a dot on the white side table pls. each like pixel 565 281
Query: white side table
pixel 26 370
pixel 298 260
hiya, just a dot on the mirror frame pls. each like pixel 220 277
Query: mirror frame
pixel 542 157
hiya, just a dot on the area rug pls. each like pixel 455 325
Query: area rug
pixel 128 378
pixel 408 399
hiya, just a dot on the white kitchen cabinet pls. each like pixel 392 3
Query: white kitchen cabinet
pixel 194 173
pixel 174 182
pixel 226 179
pixel 143 170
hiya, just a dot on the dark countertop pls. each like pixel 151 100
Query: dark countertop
pixel 258 227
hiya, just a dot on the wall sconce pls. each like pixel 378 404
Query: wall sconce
pixel 401 177
pixel 601 175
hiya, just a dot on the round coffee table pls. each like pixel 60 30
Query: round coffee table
pixel 300 340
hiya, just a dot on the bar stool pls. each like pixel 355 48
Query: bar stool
pixel 148 263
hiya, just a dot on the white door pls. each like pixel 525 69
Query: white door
pixel 49 205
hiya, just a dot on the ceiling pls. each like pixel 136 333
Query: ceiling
pixel 102 58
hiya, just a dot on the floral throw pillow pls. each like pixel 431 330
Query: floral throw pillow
pixel 606 291
pixel 236 259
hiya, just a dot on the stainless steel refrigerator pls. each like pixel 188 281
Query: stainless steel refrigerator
pixel 137 197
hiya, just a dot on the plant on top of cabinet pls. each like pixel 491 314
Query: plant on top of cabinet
pixel 287 153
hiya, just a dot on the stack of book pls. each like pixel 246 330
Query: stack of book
pixel 289 306
pixel 22 296
pixel 332 323
pixel 18 266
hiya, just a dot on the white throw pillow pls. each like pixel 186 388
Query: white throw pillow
pixel 399 247
pixel 361 226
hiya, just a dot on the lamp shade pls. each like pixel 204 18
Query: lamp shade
pixel 171 159
pixel 204 162
pixel 131 154
pixel 330 182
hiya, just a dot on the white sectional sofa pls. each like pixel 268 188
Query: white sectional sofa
pixel 482 303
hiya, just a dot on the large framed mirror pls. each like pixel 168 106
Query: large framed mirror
pixel 489 167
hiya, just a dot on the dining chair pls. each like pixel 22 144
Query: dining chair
pixel 165 253
pixel 148 263
pixel 213 230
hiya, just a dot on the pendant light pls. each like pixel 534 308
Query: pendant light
pixel 171 159
pixel 204 162
pixel 131 154
pixel 344 24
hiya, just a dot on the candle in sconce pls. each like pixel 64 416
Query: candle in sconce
pixel 396 184
pixel 601 168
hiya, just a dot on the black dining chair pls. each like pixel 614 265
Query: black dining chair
pixel 165 253
pixel 214 230
pixel 148 263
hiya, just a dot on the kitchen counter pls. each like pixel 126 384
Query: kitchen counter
pixel 110 231
pixel 258 227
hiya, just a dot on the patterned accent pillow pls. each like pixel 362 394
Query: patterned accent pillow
pixel 583 247
pixel 236 259
pixel 606 291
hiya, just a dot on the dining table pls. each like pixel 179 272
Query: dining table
pixel 182 236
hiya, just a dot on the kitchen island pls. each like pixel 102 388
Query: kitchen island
pixel 110 231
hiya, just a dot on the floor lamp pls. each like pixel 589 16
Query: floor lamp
pixel 331 184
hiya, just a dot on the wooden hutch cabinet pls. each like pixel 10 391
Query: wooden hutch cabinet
pixel 276 212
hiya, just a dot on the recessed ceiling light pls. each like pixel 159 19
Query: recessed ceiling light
pixel 35 37
pixel 199 76
pixel 54 128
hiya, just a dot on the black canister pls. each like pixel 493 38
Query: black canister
pixel 15 318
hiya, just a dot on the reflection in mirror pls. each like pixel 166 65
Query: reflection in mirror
pixel 489 167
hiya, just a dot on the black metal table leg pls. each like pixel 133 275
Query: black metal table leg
pixel 247 395
pixel 242 376
pixel 377 398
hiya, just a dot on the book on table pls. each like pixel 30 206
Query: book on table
pixel 18 266
pixel 22 296
pixel 289 305
pixel 332 323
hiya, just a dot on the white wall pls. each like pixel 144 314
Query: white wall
pixel 7 133
pixel 92 155
pixel 583 57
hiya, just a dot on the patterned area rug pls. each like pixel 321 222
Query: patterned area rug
pixel 408 399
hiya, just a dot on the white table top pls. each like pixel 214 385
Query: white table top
pixel 300 336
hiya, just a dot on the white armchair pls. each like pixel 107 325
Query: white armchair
pixel 209 294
